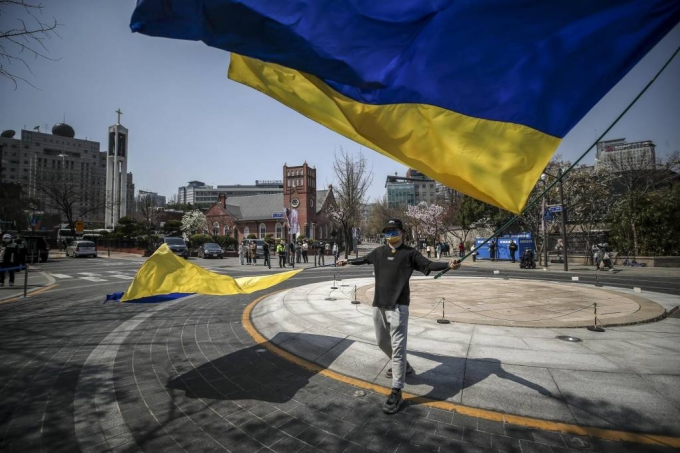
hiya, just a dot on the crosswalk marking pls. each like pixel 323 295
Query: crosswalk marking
pixel 97 278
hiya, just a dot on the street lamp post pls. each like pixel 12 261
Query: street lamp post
pixel 563 219
pixel 545 226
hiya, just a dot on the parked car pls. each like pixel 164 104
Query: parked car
pixel 210 250
pixel 177 246
pixel 81 248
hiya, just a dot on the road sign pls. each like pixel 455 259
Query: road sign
pixel 79 225
pixel 554 209
pixel 548 216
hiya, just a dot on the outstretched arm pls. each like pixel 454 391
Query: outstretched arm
pixel 355 261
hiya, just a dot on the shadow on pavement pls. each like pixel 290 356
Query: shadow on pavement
pixel 255 372
pixel 458 375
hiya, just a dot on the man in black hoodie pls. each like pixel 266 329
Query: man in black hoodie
pixel 9 260
pixel 394 264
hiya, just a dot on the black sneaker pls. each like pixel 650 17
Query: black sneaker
pixel 394 402
pixel 409 370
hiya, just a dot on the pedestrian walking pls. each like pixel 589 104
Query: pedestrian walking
pixel 393 266
pixel 281 251
pixel 595 250
pixel 492 249
pixel 335 253
pixel 319 252
pixel 241 252
pixel 438 250
pixel 559 248
pixel 265 253
pixel 428 249
pixel 474 253
pixel 298 253
pixel 9 259
pixel 513 249
pixel 461 249
pixel 246 247
pixel 305 250
pixel 291 253
pixel 253 253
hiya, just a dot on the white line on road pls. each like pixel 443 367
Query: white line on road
pixel 93 279
pixel 61 276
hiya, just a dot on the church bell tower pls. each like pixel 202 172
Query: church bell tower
pixel 116 174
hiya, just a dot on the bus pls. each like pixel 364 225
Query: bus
pixel 65 235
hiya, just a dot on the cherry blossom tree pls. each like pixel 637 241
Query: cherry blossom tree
pixel 426 219
pixel 194 222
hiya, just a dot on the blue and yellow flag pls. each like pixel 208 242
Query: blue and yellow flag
pixel 166 276
pixel 475 94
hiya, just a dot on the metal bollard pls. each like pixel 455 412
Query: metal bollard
pixel 595 327
pixel 443 319
pixel 355 301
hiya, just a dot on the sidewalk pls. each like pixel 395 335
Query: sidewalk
pixel 625 379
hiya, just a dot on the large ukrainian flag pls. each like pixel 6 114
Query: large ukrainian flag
pixel 475 94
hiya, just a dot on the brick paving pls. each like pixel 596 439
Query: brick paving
pixel 186 377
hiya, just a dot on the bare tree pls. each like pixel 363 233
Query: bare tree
pixel 353 178
pixel 25 39
pixel 148 216
pixel 68 192
pixel 633 177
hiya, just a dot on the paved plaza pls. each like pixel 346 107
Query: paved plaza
pixel 626 378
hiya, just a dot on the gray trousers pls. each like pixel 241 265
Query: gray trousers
pixel 391 330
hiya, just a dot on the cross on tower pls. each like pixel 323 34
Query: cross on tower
pixel 119 114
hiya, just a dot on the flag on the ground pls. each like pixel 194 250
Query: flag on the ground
pixel 166 276
pixel 475 94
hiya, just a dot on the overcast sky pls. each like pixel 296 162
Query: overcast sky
pixel 187 121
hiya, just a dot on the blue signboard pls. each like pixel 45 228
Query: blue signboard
pixel 523 240
pixel 277 215
pixel 555 209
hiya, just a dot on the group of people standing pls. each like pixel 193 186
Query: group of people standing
pixel 288 253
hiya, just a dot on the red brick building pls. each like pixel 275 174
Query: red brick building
pixel 300 210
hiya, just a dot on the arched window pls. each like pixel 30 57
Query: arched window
pixel 246 232
pixel 226 230
pixel 279 230
pixel 263 230
pixel 216 228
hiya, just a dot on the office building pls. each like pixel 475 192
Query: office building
pixel 618 155
pixel 202 195
pixel 410 190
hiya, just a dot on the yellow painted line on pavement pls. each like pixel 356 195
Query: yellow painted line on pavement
pixel 529 422
pixel 34 293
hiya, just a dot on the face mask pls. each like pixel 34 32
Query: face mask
pixel 393 237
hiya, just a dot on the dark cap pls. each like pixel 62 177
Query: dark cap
pixel 393 223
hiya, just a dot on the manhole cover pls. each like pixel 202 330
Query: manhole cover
pixel 569 338
pixel 577 442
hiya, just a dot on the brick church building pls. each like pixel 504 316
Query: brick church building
pixel 299 210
